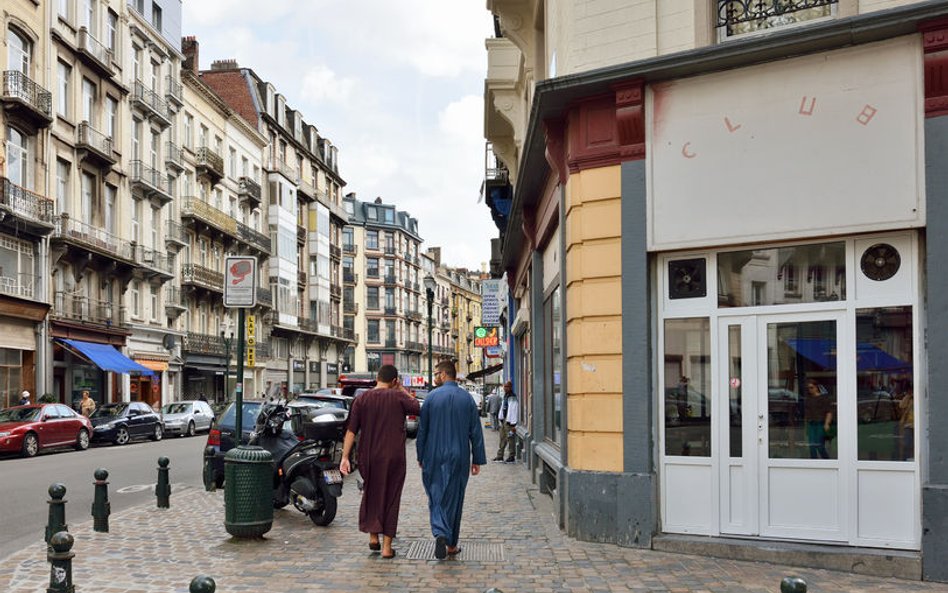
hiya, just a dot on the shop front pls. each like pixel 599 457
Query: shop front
pixel 18 355
pixel 94 367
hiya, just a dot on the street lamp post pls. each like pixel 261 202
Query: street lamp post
pixel 430 286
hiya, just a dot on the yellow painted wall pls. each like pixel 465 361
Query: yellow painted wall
pixel 594 319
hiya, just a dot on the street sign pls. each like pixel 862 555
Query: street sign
pixel 494 352
pixel 493 296
pixel 251 340
pixel 240 281
pixel 485 337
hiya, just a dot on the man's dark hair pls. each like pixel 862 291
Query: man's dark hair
pixel 387 373
pixel 447 367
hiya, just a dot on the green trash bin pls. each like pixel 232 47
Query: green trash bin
pixel 248 491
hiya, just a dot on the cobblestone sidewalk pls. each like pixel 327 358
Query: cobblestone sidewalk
pixel 508 541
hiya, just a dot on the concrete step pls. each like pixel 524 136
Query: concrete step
pixel 867 561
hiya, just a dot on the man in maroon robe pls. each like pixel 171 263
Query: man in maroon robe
pixel 378 417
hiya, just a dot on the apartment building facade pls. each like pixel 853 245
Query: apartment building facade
pixel 698 357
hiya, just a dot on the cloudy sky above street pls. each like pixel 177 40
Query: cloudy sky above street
pixel 397 86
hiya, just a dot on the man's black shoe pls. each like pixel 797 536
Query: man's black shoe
pixel 509 460
pixel 441 547
pixel 498 458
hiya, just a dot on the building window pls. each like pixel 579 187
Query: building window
pixel 188 130
pixel 371 213
pixel 737 17
pixel 687 389
pixel 62 185
pixel 156 16
pixel 88 101
pixel 373 331
pixel 19 157
pixel 372 240
pixel 63 10
pixel 87 15
pixel 136 303
pixel 554 400
pixel 111 194
pixel 88 197
pixel 112 32
pixel 111 117
pixel 153 293
pixel 372 267
pixel 64 72
pixel 19 52
pixel 372 298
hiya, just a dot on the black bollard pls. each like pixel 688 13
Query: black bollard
pixel 163 487
pixel 57 511
pixel 60 558
pixel 792 585
pixel 202 584
pixel 101 507
pixel 209 484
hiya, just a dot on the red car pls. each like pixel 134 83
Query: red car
pixel 27 429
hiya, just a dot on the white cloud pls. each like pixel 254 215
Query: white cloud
pixel 321 83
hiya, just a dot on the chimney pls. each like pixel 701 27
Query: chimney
pixel 229 64
pixel 435 254
pixel 189 47
pixel 378 199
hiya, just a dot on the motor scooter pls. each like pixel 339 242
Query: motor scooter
pixel 305 472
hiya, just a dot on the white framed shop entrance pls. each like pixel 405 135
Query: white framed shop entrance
pixel 862 499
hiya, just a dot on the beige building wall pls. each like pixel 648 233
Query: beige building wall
pixel 358 265
pixel 594 319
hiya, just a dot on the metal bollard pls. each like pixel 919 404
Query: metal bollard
pixel 163 487
pixel 101 507
pixel 209 484
pixel 792 585
pixel 60 558
pixel 57 511
pixel 202 584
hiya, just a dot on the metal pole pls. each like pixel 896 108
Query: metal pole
pixel 239 383
pixel 428 293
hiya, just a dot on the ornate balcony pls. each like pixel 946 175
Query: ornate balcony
pixel 301 234
pixel 264 298
pixel 390 280
pixel 305 190
pixel 350 277
pixel 195 343
pixel 175 237
pixel 74 307
pixel 248 191
pixel 349 334
pixel 301 278
pixel 391 311
pixel 19 285
pixel 150 104
pixel 173 91
pixel 28 100
pixel 391 343
pixel 350 308
pixel 335 292
pixel 154 262
pixel 209 163
pixel 253 238
pixel 199 210
pixel 308 325
pixel 93 53
pixel 350 249
pixel 414 315
pixel 29 210
pixel 389 250
pixel 335 253
pixel 736 17
pixel 92 238
pixel 173 159
pixel 201 277
pixel 174 302
pixel 96 146
pixel 278 165
pixel 151 183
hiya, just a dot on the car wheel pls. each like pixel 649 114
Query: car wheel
pixel 121 436
pixel 190 429
pixel 30 445
pixel 82 441
pixel 158 432
pixel 325 515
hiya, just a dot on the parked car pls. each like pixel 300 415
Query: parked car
pixel 187 417
pixel 119 423
pixel 352 382
pixel 411 422
pixel 28 429
pixel 222 438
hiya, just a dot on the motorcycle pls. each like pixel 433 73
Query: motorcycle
pixel 306 472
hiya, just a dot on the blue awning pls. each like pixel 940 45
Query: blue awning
pixel 868 357
pixel 106 357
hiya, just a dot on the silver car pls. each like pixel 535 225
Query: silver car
pixel 187 417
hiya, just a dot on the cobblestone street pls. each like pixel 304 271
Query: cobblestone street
pixel 508 541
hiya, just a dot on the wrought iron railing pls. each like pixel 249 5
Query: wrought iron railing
pixel 201 276
pixel 173 90
pixel 26 203
pixel 307 324
pixel 173 155
pixel 335 252
pixel 264 297
pixel 745 16
pixel 92 236
pixel 335 292
pixel 154 259
pixel 174 298
pixel 198 208
pixel 301 233
pixel 17 85
pixel 288 170
pixel 249 188
pixel 174 232
pixel 390 343
pixel 252 237
pixel 152 179
pixel 350 249
pixel 81 308
pixel 301 277
pixel 349 277
pixel 20 285
pixel 91 138
pixel 390 310
pixel 350 308
pixel 349 333
pixel 307 188
pixel 150 100
pixel 390 279
pixel 207 158
pixel 204 344
pixel 91 46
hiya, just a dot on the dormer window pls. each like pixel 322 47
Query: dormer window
pixel 739 17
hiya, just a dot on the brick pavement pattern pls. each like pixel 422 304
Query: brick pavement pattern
pixel 152 550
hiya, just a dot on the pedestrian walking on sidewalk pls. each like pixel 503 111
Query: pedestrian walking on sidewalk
pixel 87 404
pixel 450 444
pixel 378 417
pixel 493 409
pixel 509 415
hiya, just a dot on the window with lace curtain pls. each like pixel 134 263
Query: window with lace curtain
pixel 738 17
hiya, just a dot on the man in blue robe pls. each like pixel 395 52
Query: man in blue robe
pixel 450 443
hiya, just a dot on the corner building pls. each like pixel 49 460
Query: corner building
pixel 722 224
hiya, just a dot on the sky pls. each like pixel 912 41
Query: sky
pixel 396 86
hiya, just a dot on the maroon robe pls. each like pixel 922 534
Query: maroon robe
pixel 378 417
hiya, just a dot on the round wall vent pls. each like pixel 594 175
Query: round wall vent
pixel 880 262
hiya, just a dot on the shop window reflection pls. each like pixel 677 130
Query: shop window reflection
pixel 687 389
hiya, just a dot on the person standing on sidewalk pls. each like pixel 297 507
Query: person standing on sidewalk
pixel 509 415
pixel 378 417
pixel 449 443
pixel 493 409
pixel 87 404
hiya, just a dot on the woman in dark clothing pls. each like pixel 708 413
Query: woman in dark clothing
pixel 818 415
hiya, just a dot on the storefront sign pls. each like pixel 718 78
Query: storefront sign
pixel 494 352
pixel 299 366
pixel 485 337
pixel 251 340
pixel 240 281
pixel 493 295
pixel 332 368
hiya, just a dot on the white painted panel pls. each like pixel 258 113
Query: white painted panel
pixel 816 145
pixel 688 498
pixel 737 487
pixel 803 499
pixel 886 508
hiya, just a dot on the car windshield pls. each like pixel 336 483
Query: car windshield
pixel 176 408
pixel 19 415
pixel 320 402
pixel 250 411
pixel 109 410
